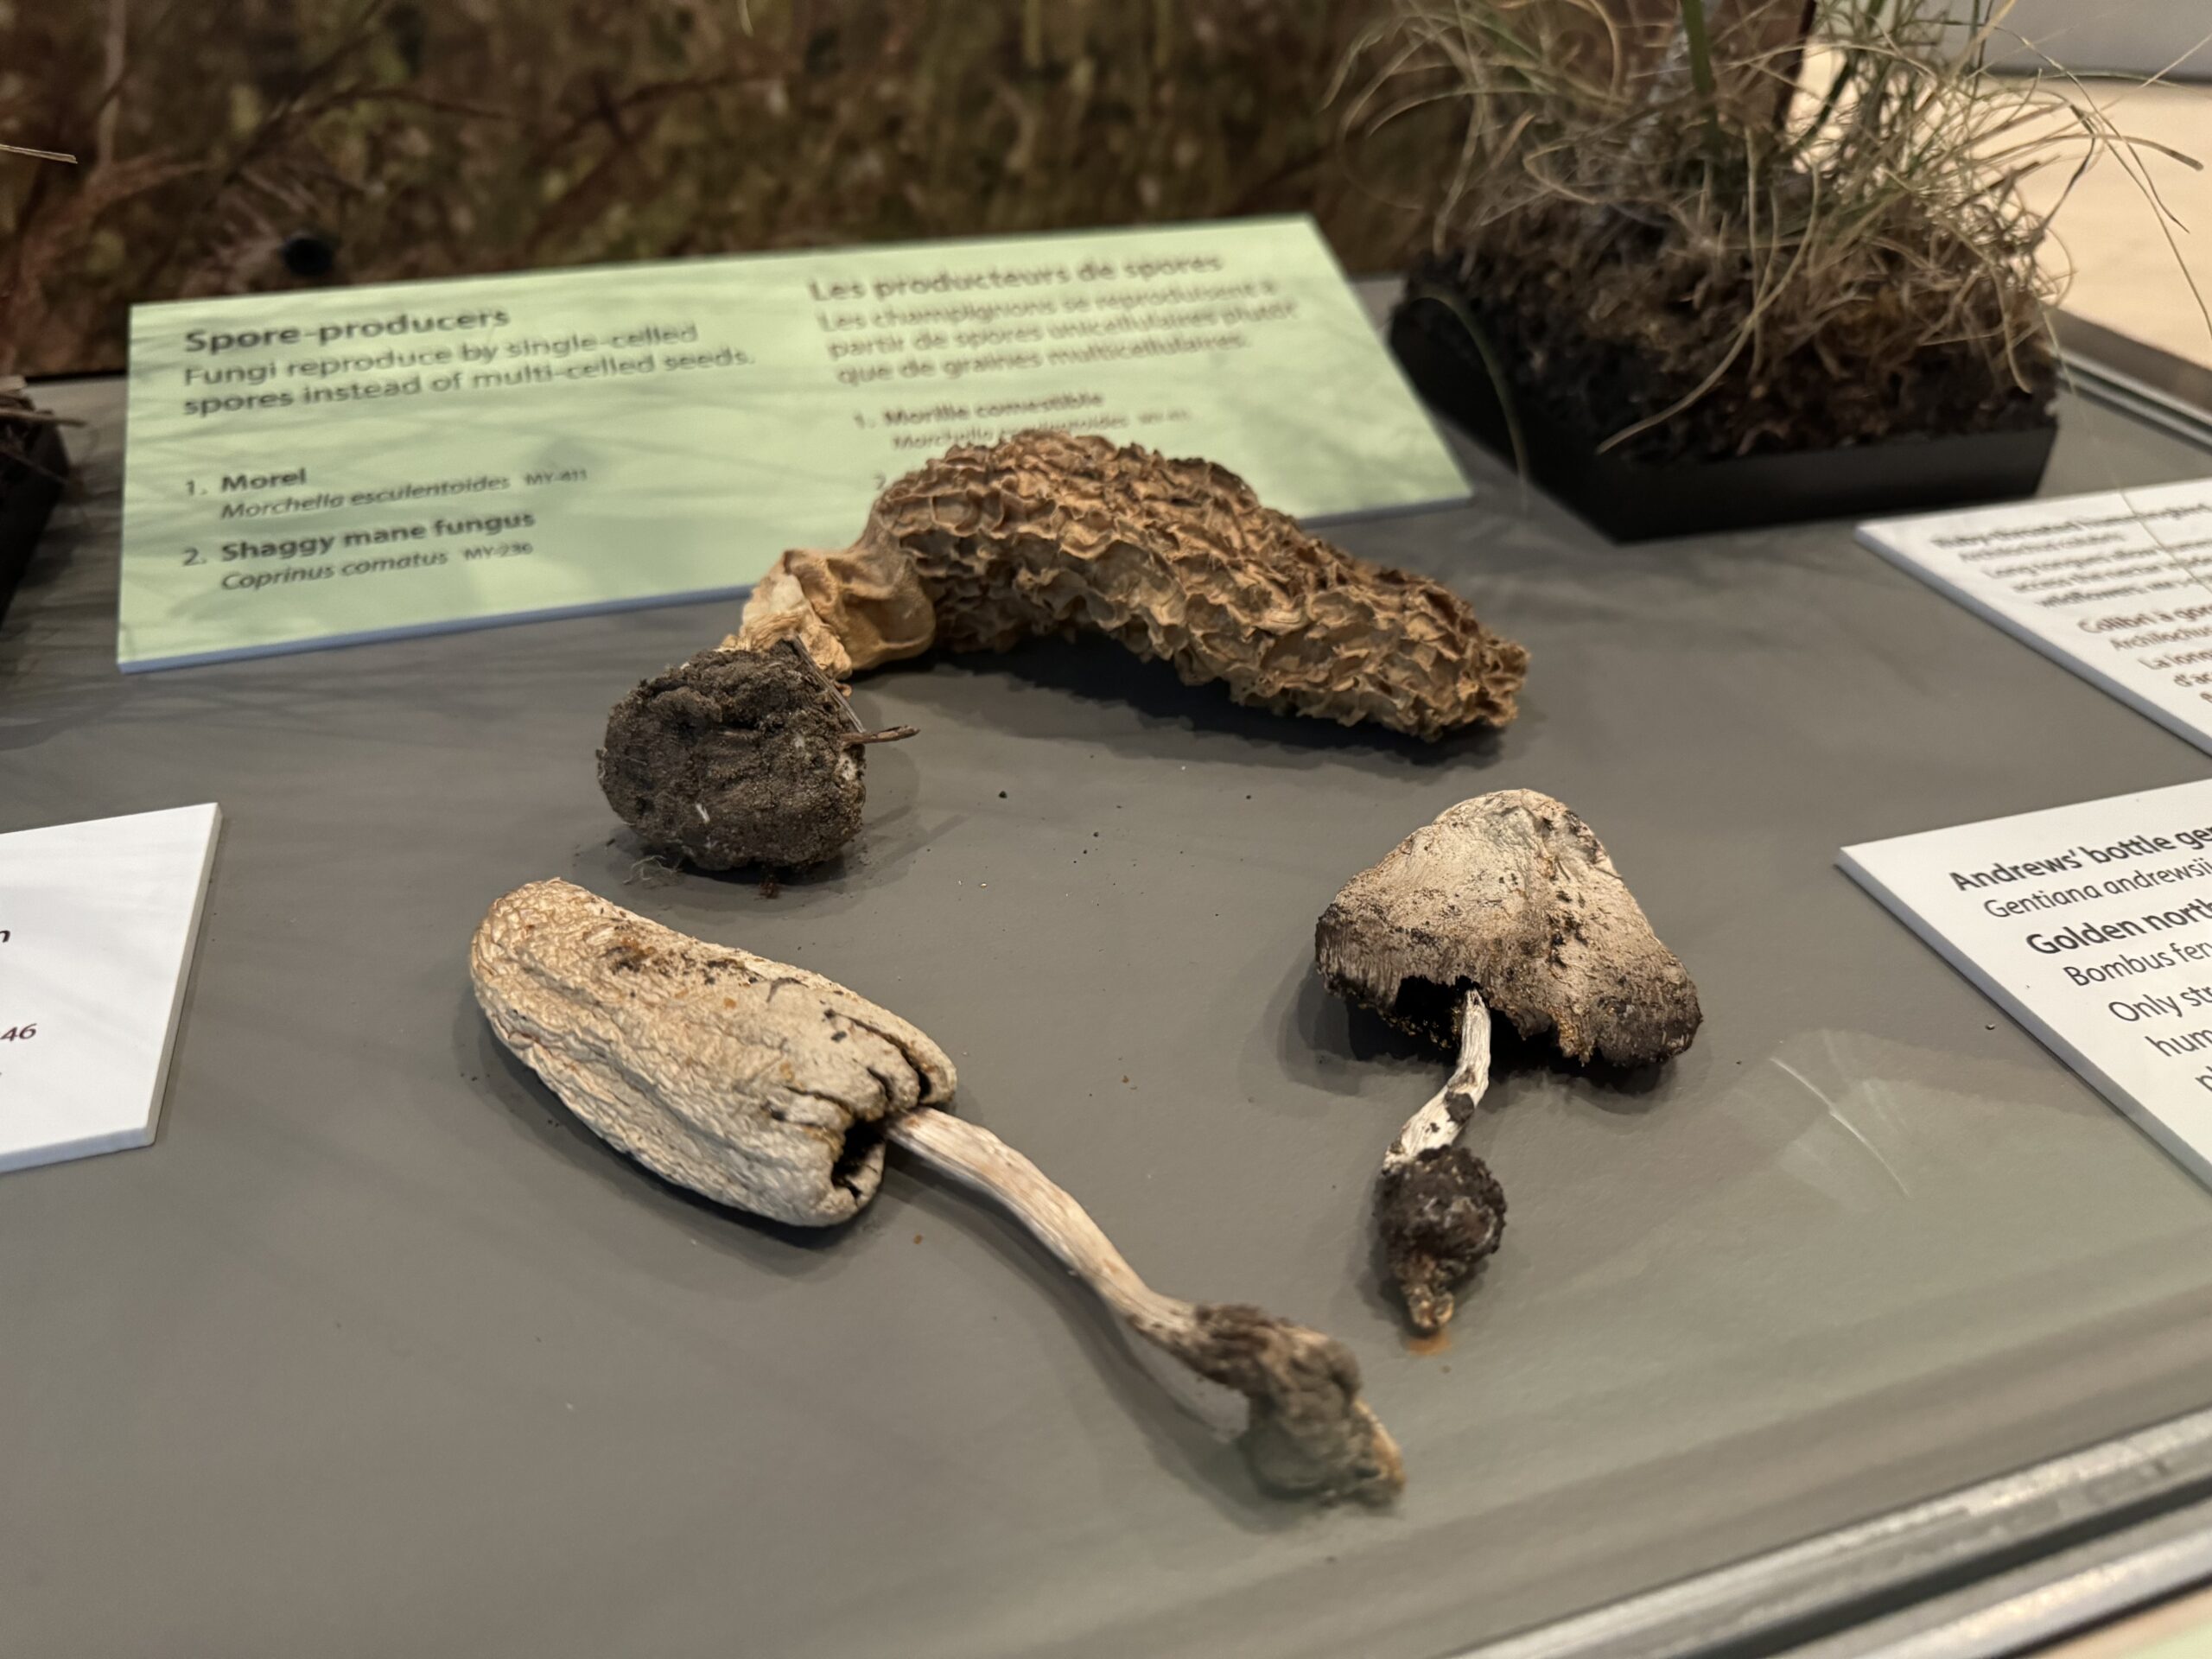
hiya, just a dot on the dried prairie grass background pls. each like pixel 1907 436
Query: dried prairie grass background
pixel 437 137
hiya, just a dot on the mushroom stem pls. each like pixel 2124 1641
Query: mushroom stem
pixel 1439 1210
pixel 1306 1431
pixel 1437 1125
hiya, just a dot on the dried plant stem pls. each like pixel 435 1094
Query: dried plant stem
pixel 1699 45
pixel 114 59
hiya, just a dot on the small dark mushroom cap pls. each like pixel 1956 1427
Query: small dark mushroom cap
pixel 1512 894
pixel 736 758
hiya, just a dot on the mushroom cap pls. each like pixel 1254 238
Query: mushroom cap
pixel 753 1083
pixel 1509 895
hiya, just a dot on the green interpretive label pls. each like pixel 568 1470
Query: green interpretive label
pixel 328 466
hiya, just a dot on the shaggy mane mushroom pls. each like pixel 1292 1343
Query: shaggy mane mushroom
pixel 775 1090
pixel 1178 560
pixel 1507 904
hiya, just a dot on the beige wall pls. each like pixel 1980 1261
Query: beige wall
pixel 2133 37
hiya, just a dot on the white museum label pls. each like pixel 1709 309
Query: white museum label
pixel 2117 587
pixel 315 468
pixel 97 926
pixel 2092 926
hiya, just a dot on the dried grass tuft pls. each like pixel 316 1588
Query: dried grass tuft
pixel 1703 256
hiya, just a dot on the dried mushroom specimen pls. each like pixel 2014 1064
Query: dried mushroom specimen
pixel 1048 533
pixel 739 757
pixel 775 1090
pixel 1506 904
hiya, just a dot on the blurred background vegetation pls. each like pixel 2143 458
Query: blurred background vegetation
pixel 218 138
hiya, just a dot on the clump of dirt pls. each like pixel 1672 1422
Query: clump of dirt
pixel 1597 322
pixel 1439 1216
pixel 735 758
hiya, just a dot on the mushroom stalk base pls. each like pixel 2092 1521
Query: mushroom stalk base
pixel 1307 1431
pixel 1439 1210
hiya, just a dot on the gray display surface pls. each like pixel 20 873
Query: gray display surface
pixel 377 1352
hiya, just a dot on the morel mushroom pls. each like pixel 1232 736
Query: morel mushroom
pixel 1507 904
pixel 774 1090
pixel 736 758
pixel 1047 533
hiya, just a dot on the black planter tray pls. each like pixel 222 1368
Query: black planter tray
pixel 29 490
pixel 1634 501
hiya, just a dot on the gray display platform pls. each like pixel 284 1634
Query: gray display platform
pixel 377 1352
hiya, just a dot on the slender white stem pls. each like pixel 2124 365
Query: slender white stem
pixel 1437 1123
pixel 1157 1325
pixel 974 1156
pixel 1290 1395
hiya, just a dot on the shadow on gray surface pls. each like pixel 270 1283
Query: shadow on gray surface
pixel 891 833
pixel 1324 1022
pixel 1098 671
pixel 1324 1035
pixel 1180 1448
pixel 1320 1022
pixel 488 1066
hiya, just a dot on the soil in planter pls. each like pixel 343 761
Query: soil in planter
pixel 1596 335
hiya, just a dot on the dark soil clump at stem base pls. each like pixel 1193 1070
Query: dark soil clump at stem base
pixel 1440 1214
pixel 735 758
